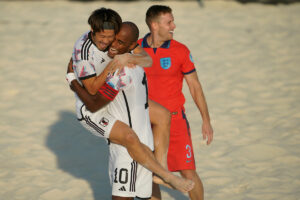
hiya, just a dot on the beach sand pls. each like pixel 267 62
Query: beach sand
pixel 247 58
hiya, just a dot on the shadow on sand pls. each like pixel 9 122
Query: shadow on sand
pixel 80 153
pixel 84 155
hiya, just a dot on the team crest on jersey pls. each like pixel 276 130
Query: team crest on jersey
pixel 165 63
pixel 104 122
pixel 191 58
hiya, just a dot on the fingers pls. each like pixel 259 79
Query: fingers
pixel 207 135
pixel 70 66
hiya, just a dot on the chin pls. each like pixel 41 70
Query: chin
pixel 111 55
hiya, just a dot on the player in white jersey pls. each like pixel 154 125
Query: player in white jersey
pixel 88 61
pixel 90 101
pixel 128 178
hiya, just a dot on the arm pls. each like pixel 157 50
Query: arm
pixel 93 84
pixel 199 99
pixel 138 57
pixel 92 102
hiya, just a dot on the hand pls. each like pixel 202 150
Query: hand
pixel 207 132
pixel 70 66
pixel 120 61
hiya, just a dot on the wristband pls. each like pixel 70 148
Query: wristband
pixel 70 77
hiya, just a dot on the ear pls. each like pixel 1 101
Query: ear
pixel 154 25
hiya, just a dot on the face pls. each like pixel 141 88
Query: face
pixel 165 26
pixel 103 39
pixel 121 44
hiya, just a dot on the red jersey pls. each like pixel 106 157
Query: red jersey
pixel 171 62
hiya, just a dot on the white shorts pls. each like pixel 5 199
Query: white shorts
pixel 127 177
pixel 98 123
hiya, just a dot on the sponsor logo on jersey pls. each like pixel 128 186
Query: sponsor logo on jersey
pixel 102 61
pixel 165 63
pixel 122 189
pixel 104 122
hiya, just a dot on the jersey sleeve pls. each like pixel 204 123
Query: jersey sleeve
pixel 84 69
pixel 120 81
pixel 188 62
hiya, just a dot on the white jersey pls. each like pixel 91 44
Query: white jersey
pixel 128 178
pixel 131 104
pixel 88 61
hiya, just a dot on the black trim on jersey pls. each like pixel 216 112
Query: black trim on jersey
pixel 128 110
pixel 193 70
pixel 86 77
pixel 133 176
pixel 85 49
pixel 135 46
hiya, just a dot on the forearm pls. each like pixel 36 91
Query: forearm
pixel 92 102
pixel 99 81
pixel 200 101
pixel 140 57
pixel 84 95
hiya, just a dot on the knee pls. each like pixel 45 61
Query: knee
pixel 189 174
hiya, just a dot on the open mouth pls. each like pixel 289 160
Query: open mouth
pixel 112 51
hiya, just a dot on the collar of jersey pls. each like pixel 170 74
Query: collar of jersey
pixel 145 44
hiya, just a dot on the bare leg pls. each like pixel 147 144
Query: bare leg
pixel 160 119
pixel 122 134
pixel 156 195
pixel 197 193
pixel 121 198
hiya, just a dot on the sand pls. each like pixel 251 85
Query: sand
pixel 247 59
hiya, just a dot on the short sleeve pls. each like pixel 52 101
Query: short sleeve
pixel 120 81
pixel 188 62
pixel 84 69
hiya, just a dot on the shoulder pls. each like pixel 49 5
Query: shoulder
pixel 140 41
pixel 84 37
pixel 83 47
pixel 179 45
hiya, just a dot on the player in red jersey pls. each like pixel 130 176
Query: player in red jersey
pixel 172 62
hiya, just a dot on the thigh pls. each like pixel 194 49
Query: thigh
pixel 99 123
pixel 180 153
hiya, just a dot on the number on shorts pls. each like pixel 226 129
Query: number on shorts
pixel 123 176
pixel 189 154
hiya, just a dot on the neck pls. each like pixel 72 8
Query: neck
pixel 154 41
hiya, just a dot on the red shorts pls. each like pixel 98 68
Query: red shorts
pixel 180 153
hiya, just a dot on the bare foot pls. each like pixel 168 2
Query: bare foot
pixel 156 179
pixel 175 182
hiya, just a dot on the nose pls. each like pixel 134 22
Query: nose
pixel 105 40
pixel 174 25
